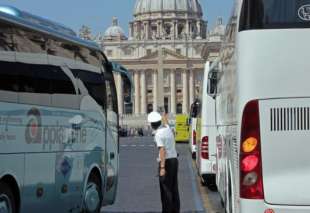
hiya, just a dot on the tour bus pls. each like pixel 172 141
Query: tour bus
pixel 206 147
pixel 195 107
pixel 262 108
pixel 59 148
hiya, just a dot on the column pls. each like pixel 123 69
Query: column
pixel 176 30
pixel 190 29
pixel 155 82
pixel 137 92
pixel 187 27
pixel 174 36
pixel 172 92
pixel 161 29
pixel 158 30
pixel 191 86
pixel 120 96
pixel 143 92
pixel 199 34
pixel 148 30
pixel 135 31
pixel 185 92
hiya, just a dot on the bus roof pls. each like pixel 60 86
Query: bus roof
pixel 23 19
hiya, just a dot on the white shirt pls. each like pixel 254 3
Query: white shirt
pixel 164 137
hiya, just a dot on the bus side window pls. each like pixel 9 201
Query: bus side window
pixel 8 82
pixel 45 85
pixel 34 84
pixel 6 41
pixel 62 89
pixel 91 84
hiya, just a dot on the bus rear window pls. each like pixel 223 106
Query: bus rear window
pixel 274 14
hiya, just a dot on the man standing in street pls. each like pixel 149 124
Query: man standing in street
pixel 168 163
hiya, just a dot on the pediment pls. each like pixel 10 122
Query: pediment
pixel 152 56
pixel 167 54
pixel 172 55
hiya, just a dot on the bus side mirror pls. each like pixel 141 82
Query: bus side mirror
pixel 109 66
pixel 212 83
pixel 126 80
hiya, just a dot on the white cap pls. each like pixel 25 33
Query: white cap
pixel 154 117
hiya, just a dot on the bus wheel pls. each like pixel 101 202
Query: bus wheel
pixel 93 195
pixel 193 155
pixel 7 200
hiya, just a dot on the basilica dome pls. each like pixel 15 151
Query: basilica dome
pixel 114 32
pixel 219 29
pixel 153 6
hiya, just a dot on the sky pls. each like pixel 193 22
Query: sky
pixel 97 14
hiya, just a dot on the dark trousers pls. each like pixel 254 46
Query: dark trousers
pixel 169 187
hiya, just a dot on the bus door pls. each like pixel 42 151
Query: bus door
pixel 112 140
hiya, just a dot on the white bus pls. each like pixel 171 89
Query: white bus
pixel 206 146
pixel 262 105
pixel 59 146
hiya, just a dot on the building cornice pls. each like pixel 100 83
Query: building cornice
pixel 156 42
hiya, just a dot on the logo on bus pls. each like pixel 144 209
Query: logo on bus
pixel 36 133
pixel 33 130
pixel 304 12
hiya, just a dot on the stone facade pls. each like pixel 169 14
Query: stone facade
pixel 166 49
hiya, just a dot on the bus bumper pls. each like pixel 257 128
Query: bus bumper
pixel 259 206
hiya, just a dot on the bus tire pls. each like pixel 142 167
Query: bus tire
pixel 193 155
pixel 7 196
pixel 93 186
pixel 202 181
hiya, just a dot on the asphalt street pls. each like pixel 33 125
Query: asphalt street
pixel 138 186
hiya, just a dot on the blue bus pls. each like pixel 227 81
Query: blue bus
pixel 59 143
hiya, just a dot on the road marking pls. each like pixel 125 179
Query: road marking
pixel 197 198
pixel 134 145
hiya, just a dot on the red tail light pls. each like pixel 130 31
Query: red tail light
pixel 251 178
pixel 205 147
pixel 194 137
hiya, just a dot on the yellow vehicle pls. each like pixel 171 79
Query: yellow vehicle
pixel 181 128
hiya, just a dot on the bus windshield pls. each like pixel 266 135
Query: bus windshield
pixel 274 14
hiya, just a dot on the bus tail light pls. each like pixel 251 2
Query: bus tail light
pixel 205 147
pixel 194 137
pixel 251 178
